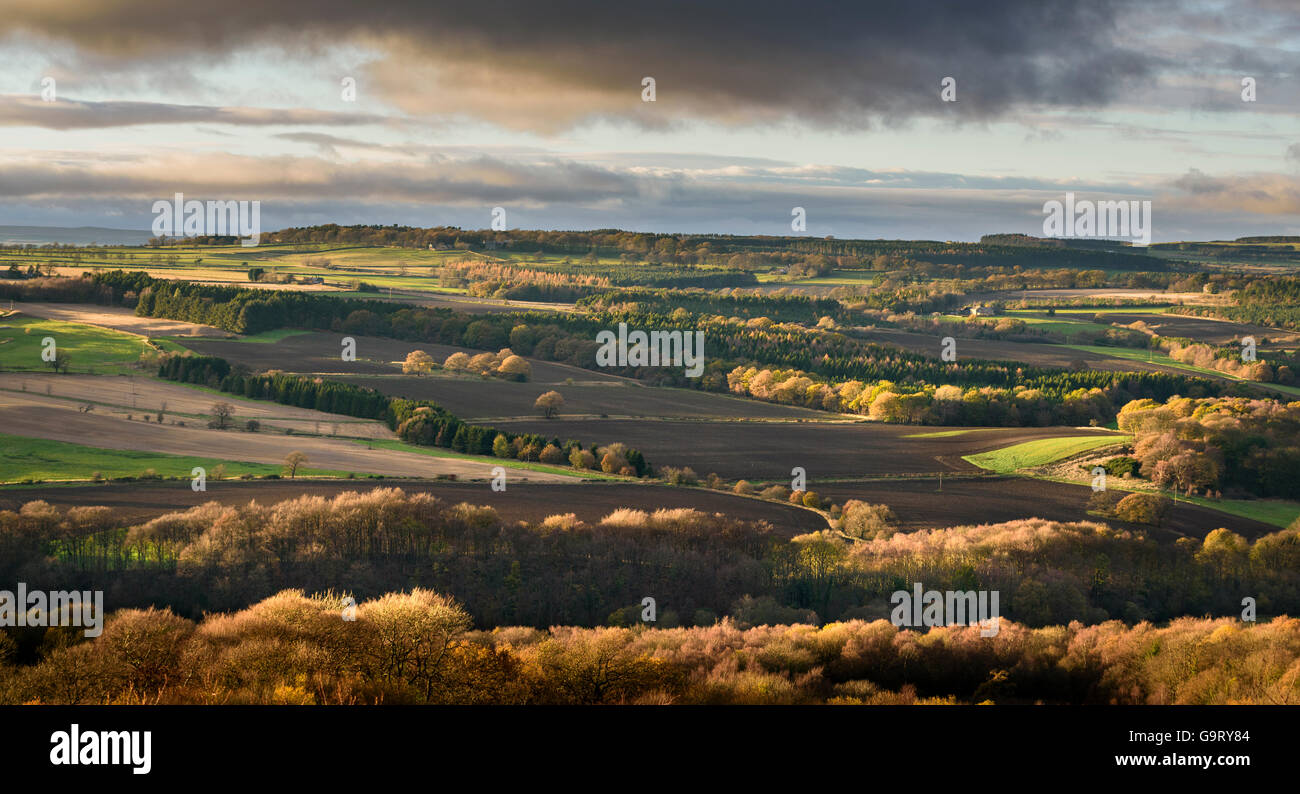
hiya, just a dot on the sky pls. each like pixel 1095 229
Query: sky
pixel 433 113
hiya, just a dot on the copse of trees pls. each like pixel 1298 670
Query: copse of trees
pixel 1271 302
pixel 417 647
pixel 781 308
pixel 564 571
pixel 1195 445
pixel 1042 401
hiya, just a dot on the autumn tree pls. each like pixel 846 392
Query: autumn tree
pixel 549 404
pixel 516 367
pixel 418 362
pixel 1143 508
pixel 866 521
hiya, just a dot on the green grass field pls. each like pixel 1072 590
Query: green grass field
pixel 1038 321
pixel 89 348
pixel 1040 452
pixel 38 459
pixel 1099 310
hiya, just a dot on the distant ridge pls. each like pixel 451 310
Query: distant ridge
pixel 78 235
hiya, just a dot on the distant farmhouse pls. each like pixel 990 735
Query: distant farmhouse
pixel 982 311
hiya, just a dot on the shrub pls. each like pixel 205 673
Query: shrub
pixel 1143 508
pixel 675 476
pixel 1103 503
pixel 867 521
pixel 582 459
pixel 501 447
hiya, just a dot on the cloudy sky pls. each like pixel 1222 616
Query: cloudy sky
pixel 759 107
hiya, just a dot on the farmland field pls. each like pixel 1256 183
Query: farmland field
pixel 117 318
pixel 1039 452
pixel 38 459
pixel 519 502
pixel 1039 354
pixel 1211 331
pixel 143 397
pixel 768 450
pixel 479 398
pixel 39 416
pixel 921 503
pixel 89 348
pixel 320 352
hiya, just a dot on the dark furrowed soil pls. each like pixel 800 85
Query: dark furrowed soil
pixel 921 504
pixel 519 502
pixel 769 450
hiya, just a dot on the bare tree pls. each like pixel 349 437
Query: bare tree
pixel 221 415
pixel 292 461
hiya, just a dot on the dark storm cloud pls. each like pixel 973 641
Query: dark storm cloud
pixel 556 63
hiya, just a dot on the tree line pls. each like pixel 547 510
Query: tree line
pixel 419 422
pixel 416 647
pixel 699 567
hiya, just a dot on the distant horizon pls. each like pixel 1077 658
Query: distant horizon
pixel 7 230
